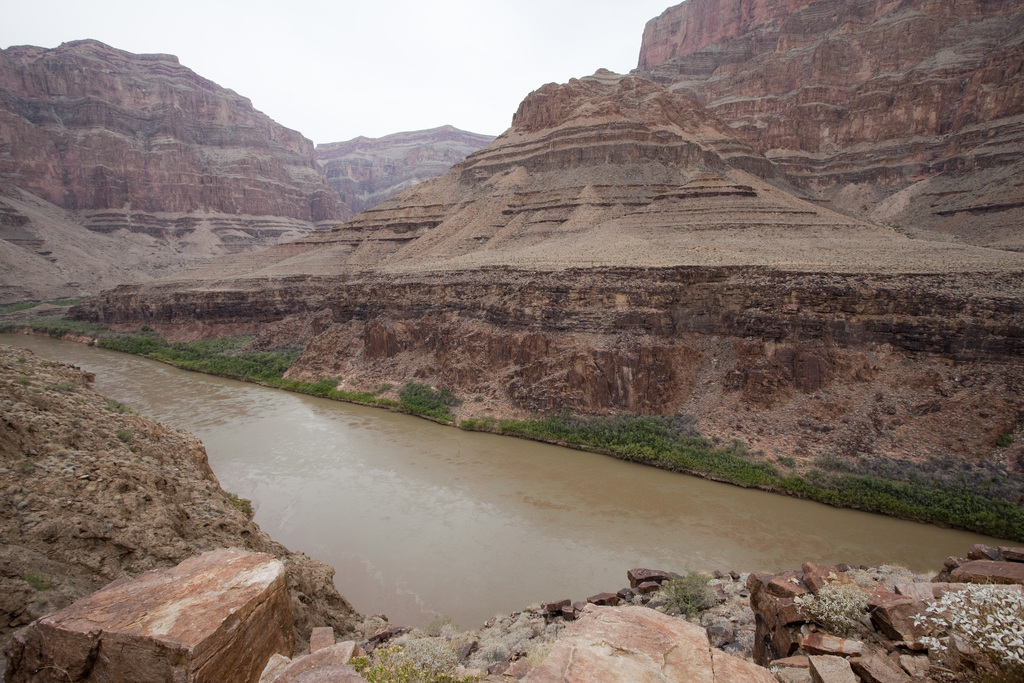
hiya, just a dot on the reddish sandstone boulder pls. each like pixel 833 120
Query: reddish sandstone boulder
pixel 894 615
pixel 988 571
pixel 831 669
pixel 825 644
pixel 609 599
pixel 1012 554
pixel 326 665
pixel 638 576
pixel 217 617
pixel 628 644
pixel 817 576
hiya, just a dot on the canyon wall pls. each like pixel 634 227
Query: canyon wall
pixel 910 113
pixel 620 249
pixel 117 167
pixel 366 171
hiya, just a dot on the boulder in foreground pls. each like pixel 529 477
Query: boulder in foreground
pixel 638 644
pixel 215 617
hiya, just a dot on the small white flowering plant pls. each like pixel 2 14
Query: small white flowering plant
pixel 989 618
pixel 838 607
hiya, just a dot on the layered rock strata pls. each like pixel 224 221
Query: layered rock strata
pixel 908 112
pixel 215 617
pixel 141 148
pixel 619 250
pixel 94 494
pixel 366 171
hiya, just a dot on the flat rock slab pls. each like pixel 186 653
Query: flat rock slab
pixel 326 665
pixel 831 669
pixel 988 571
pixel 629 644
pixel 321 637
pixel 217 617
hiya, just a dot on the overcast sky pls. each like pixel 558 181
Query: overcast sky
pixel 337 70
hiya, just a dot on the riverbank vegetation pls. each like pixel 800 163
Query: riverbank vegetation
pixel 976 497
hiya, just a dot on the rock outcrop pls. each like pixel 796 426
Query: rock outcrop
pixel 888 637
pixel 93 494
pixel 910 113
pixel 639 644
pixel 607 253
pixel 215 617
pixel 366 171
pixel 142 148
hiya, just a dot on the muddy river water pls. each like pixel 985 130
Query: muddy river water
pixel 419 519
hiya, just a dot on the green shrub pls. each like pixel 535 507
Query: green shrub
pixel 117 407
pixel 244 505
pixel 125 436
pixel 787 461
pixel 441 625
pixel 476 424
pixel 12 308
pixel 420 399
pixel 36 580
pixel 1004 440
pixel 421 661
pixel 690 594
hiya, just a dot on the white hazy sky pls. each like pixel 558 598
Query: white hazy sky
pixel 337 70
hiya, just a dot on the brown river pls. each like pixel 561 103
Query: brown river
pixel 420 519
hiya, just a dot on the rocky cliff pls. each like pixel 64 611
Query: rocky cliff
pixel 909 113
pixel 366 171
pixel 141 149
pixel 619 250
pixel 94 493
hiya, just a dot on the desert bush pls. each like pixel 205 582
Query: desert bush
pixel 36 580
pixel 420 661
pixel 117 407
pixel 432 655
pixel 990 619
pixel 690 594
pixel 243 505
pixel 420 399
pixel 441 625
pixel 838 607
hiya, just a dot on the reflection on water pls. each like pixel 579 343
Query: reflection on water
pixel 418 518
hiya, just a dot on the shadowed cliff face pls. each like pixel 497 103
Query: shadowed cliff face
pixel 903 112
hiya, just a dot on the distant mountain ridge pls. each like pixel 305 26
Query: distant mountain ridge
pixel 366 171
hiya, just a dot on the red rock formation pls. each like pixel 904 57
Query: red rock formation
pixel 639 644
pixel 366 171
pixel 215 617
pixel 608 253
pixel 89 127
pixel 141 146
pixel 693 25
pixel 907 112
